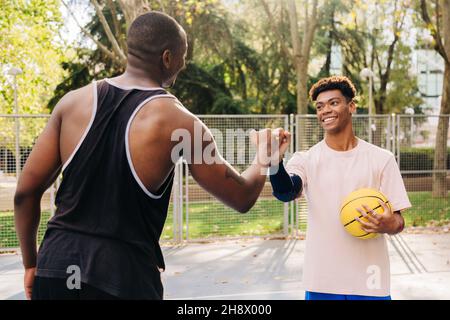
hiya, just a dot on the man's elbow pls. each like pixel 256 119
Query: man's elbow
pixel 22 195
pixel 19 198
pixel 244 207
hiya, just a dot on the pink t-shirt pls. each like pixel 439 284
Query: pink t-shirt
pixel 336 262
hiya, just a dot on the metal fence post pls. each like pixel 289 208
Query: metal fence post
pixel 176 201
pixel 17 146
pixel 396 119
pixel 288 207
pixel 187 201
pixel 181 204
pixel 388 133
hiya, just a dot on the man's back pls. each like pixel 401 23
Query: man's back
pixel 106 217
pixel 149 153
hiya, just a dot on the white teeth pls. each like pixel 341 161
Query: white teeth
pixel 328 119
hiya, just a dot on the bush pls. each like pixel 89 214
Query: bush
pixel 419 159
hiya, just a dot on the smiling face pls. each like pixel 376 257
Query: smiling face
pixel 334 111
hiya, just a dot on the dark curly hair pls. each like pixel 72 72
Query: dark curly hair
pixel 341 83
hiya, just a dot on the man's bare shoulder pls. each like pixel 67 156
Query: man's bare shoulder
pixel 74 98
pixel 169 111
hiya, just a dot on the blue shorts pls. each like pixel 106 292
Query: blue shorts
pixel 330 296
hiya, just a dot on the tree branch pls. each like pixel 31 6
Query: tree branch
pixel 295 36
pixel 132 8
pixel 434 31
pixel 309 32
pixel 102 47
pixel 284 48
pixel 117 28
pixel 109 34
pixel 446 27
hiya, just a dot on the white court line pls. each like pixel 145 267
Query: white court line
pixel 239 294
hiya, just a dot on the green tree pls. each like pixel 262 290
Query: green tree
pixel 223 72
pixel 29 41
pixel 371 35
pixel 438 24
pixel 297 43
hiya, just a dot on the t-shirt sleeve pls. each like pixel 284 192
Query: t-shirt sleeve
pixel 392 186
pixel 297 165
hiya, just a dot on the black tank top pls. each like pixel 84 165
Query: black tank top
pixel 106 222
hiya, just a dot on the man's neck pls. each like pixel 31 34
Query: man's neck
pixel 138 77
pixel 342 141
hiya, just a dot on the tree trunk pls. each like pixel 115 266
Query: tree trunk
pixel 302 87
pixel 301 50
pixel 440 153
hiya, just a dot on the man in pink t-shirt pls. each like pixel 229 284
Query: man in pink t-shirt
pixel 338 265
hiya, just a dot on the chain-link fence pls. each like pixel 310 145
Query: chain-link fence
pixel 206 217
pixel 423 154
pixel 17 137
pixel 195 215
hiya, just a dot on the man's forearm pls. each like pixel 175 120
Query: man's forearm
pixel 249 185
pixel 27 214
pixel 255 177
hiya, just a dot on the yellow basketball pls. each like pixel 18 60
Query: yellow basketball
pixel 356 199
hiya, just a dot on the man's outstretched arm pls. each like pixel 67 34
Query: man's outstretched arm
pixel 238 191
pixel 218 177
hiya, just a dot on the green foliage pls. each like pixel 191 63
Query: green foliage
pixel 403 92
pixel 419 159
pixel 237 64
pixel 199 89
pixel 28 41
pixel 367 41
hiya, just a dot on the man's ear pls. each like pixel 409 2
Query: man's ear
pixel 167 58
pixel 352 107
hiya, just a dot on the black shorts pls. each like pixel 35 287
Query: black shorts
pixel 56 289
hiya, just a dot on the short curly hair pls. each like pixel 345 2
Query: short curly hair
pixel 153 32
pixel 341 83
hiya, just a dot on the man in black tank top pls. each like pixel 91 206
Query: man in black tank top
pixel 112 142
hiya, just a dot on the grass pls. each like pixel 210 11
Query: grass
pixel 426 210
pixel 8 238
pixel 213 219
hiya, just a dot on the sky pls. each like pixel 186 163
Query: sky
pixel 82 10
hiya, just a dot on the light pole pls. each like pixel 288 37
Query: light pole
pixel 410 111
pixel 367 73
pixel 15 72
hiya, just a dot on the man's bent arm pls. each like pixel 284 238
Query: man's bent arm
pixel 40 171
pixel 218 177
pixel 285 187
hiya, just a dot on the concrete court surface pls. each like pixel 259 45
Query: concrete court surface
pixel 257 269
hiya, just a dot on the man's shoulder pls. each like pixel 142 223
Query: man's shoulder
pixel 375 150
pixel 72 99
pixel 304 154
